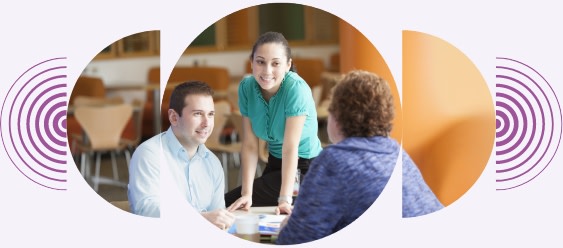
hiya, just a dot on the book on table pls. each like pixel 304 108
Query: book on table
pixel 269 224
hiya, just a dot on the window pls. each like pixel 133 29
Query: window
pixel 139 44
pixel 301 25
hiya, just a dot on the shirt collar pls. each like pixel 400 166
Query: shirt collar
pixel 175 146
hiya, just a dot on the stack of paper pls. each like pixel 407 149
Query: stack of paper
pixel 269 224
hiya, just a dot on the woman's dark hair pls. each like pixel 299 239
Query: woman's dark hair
pixel 273 37
pixel 362 103
pixel 178 96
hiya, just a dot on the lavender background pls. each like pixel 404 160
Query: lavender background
pixel 34 31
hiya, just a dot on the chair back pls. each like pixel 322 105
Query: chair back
pixel 222 112
pixel 88 86
pixel 334 64
pixel 236 119
pixel 96 101
pixel 310 69
pixel 104 124
pixel 73 127
pixel 217 77
pixel 138 121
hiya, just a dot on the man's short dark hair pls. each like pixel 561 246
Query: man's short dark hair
pixel 177 99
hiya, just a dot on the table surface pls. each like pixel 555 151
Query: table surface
pixel 265 239
pixel 257 210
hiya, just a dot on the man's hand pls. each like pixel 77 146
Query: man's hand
pixel 220 218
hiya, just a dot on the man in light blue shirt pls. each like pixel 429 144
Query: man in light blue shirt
pixel 196 171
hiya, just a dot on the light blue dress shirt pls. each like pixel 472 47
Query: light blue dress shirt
pixel 199 179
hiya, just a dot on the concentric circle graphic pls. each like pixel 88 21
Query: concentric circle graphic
pixel 34 123
pixel 528 123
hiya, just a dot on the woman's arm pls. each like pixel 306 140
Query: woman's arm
pixel 290 155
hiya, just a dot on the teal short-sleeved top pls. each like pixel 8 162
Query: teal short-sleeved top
pixel 294 98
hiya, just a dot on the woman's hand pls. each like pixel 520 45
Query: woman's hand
pixel 244 203
pixel 284 208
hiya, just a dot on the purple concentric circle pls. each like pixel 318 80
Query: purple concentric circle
pixel 528 116
pixel 34 124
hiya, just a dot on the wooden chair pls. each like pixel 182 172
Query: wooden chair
pixel 310 70
pixel 134 140
pixel 96 101
pixel 131 138
pixel 77 134
pixel 103 125
pixel 217 77
pixel 334 62
pixel 88 86
pixel 85 86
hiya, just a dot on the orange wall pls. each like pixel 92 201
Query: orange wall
pixel 357 52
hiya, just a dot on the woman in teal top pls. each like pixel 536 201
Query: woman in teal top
pixel 277 106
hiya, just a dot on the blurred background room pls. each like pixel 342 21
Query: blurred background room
pixel 127 72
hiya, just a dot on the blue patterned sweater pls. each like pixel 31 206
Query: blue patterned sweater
pixel 344 181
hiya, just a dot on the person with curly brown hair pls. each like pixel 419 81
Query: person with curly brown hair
pixel 349 175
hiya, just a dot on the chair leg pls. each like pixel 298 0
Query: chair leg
pixel 83 164
pixel 225 170
pixel 239 180
pixel 127 157
pixel 127 160
pixel 90 158
pixel 236 159
pixel 97 176
pixel 73 152
pixel 114 166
